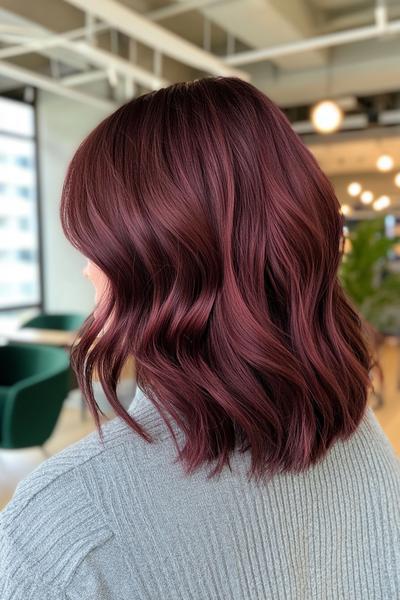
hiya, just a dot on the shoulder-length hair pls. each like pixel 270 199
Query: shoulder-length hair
pixel 221 239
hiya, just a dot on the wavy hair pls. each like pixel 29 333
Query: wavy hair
pixel 221 239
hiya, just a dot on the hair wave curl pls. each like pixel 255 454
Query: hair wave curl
pixel 221 240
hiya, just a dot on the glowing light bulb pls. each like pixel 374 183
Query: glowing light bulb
pixel 345 209
pixel 354 188
pixel 381 203
pixel 397 179
pixel 326 116
pixel 366 197
pixel 385 162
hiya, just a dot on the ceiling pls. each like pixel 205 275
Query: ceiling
pixel 296 51
pixel 354 160
pixel 196 37
pixel 356 156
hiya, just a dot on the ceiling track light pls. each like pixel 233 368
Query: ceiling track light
pixel 385 163
pixel 345 209
pixel 326 116
pixel 354 188
pixel 367 197
pixel 381 203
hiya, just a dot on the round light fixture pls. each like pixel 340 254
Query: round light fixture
pixel 345 209
pixel 385 162
pixel 326 116
pixel 397 179
pixel 354 188
pixel 366 197
pixel 381 203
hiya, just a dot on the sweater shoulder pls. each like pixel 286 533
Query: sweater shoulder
pixel 61 470
pixel 54 521
pixel 370 444
pixel 367 457
pixel 51 523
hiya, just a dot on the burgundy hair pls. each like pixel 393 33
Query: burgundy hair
pixel 221 240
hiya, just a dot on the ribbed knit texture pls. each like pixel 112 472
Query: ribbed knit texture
pixel 122 522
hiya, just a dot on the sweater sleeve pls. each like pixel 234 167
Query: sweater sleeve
pixel 46 531
pixel 18 579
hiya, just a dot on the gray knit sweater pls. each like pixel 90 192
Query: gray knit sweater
pixel 122 522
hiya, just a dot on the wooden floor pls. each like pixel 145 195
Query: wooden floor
pixel 16 464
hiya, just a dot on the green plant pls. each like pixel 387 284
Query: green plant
pixel 367 278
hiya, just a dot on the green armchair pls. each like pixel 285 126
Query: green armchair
pixel 65 322
pixel 34 382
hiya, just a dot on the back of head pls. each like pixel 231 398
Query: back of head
pixel 221 239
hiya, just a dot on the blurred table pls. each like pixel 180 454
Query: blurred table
pixel 32 335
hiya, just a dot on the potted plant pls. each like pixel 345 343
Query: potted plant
pixel 372 285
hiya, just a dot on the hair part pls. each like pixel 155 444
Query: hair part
pixel 221 239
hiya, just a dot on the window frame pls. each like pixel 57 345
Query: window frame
pixel 18 95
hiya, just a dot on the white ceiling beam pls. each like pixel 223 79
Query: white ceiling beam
pixel 349 73
pixel 67 49
pixel 83 78
pixel 151 34
pixel 27 77
pixel 166 12
pixel 26 43
pixel 315 43
pixel 32 40
pixel 349 20
pixel 260 22
pixel 102 58
pixel 92 54
pixel 13 23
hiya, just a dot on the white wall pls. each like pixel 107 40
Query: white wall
pixel 62 124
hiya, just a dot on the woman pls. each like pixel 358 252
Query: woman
pixel 251 466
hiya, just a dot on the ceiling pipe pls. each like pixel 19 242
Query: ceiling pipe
pixel 93 54
pixel 165 12
pixel 381 27
pixel 28 77
pixel 9 20
pixel 83 78
pixel 81 57
pixel 31 41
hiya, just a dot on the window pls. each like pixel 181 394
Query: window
pixel 23 161
pixel 20 269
